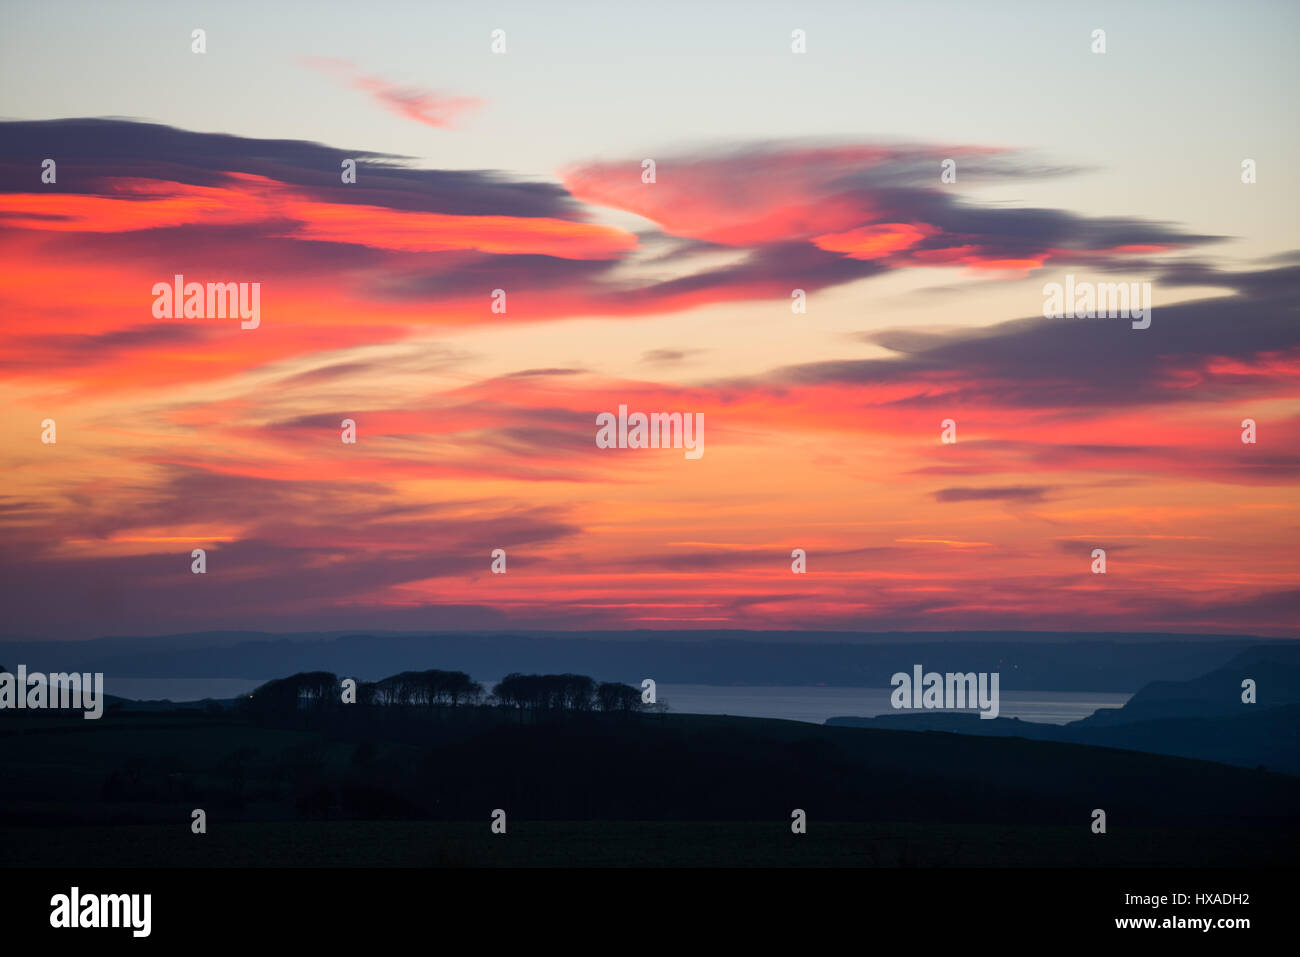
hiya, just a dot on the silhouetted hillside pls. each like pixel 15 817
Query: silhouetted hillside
pixel 444 763
pixel 1204 717
pixel 1275 669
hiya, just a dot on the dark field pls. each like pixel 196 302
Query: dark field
pixel 418 788
pixel 630 844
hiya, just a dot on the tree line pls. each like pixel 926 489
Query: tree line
pixel 564 693
pixel 313 690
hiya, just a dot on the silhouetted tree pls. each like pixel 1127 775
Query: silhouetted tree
pixel 367 692
pixel 614 696
pixel 312 689
pixel 279 696
pixel 577 692
pixel 428 688
pixel 317 689
pixel 511 690
pixel 546 693
pixel 460 687
pixel 406 688
pixel 391 690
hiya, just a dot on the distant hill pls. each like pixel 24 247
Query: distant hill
pixel 1027 660
pixel 1203 717
pixel 1275 670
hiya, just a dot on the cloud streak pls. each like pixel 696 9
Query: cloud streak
pixel 422 106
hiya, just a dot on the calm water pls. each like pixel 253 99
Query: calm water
pixel 802 703
pixel 178 689
pixel 816 704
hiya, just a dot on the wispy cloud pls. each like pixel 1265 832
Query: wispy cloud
pixel 1009 494
pixel 430 107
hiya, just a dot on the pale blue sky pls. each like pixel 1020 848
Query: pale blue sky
pixel 1162 120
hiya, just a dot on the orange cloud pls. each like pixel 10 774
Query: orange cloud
pixel 408 231
pixel 875 242
pixel 139 205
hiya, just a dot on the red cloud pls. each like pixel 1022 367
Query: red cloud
pixel 881 203
pixel 424 106
pixel 740 200
pixel 139 204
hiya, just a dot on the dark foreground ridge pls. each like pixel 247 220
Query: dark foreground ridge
pixel 405 784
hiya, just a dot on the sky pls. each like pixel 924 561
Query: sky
pixel 524 171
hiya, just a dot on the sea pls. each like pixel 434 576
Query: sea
pixel 811 703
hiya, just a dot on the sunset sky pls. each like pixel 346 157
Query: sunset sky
pixel 522 171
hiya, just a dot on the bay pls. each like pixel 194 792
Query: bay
pixel 811 703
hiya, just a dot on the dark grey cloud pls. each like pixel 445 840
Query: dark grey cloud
pixel 457 274
pixel 665 356
pixel 769 271
pixel 306 546
pixel 1013 493
pixel 1087 363
pixel 1082 548
pixel 91 152
pixel 533 373
pixel 66 349
pixel 898 184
